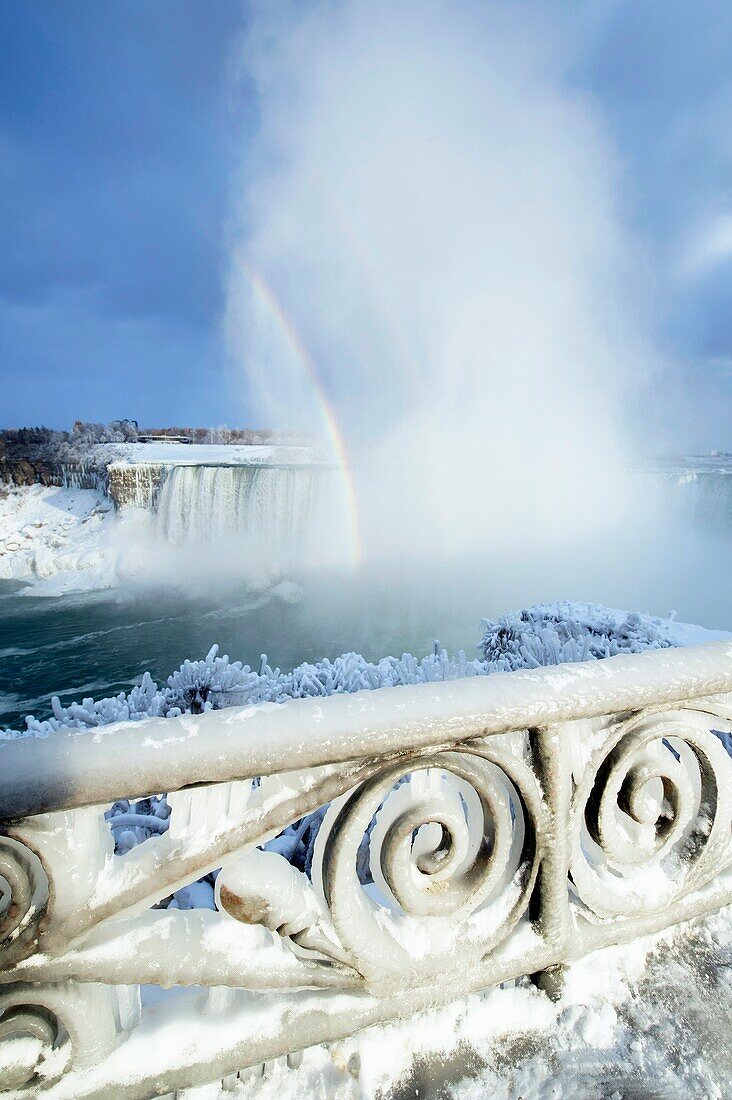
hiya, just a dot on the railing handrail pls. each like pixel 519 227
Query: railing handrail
pixel 75 768
pixel 547 847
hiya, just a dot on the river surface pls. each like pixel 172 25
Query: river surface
pixel 96 645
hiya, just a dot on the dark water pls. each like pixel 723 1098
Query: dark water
pixel 98 645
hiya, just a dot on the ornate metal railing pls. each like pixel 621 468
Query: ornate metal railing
pixel 478 830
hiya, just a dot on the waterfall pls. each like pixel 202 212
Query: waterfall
pixel 704 494
pixel 269 507
pixel 709 494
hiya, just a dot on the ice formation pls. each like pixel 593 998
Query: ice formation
pixel 100 523
pixel 551 634
pixel 546 634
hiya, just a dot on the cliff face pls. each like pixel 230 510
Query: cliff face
pixel 135 485
pixel 40 471
pixel 123 483
pixel 23 471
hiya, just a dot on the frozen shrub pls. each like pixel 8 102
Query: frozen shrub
pixel 544 635
pixel 547 634
pixel 551 634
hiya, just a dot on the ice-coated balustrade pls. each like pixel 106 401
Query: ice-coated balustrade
pixel 477 830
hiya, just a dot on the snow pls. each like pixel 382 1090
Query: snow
pixel 542 635
pixel 193 454
pixel 56 540
pixel 616 1031
pixel 549 634
pixel 197 895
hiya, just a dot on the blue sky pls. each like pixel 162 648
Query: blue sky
pixel 119 135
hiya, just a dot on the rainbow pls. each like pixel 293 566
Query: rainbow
pixel 267 298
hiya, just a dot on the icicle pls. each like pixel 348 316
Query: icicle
pixel 220 1000
pixel 130 1006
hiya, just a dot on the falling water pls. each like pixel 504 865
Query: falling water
pixel 699 490
pixel 269 506
pixel 708 496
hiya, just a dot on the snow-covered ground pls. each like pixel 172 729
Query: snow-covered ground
pixel 56 540
pixel 646 1021
pixel 198 454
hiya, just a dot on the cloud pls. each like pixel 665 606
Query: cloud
pixel 63 358
pixel 709 246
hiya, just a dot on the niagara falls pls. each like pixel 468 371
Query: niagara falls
pixel 365 535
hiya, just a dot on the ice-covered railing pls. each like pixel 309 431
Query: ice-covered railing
pixel 476 830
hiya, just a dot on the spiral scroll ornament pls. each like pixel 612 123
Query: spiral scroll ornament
pixel 50 1028
pixel 452 853
pixel 23 898
pixel 31 1039
pixel 652 816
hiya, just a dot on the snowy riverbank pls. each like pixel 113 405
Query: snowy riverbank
pixel 247 500
pixel 56 540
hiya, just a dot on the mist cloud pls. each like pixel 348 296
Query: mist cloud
pixel 436 209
